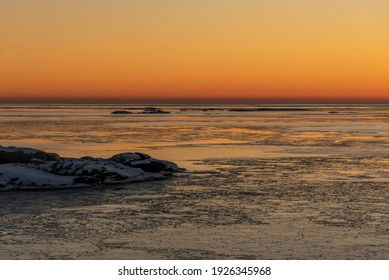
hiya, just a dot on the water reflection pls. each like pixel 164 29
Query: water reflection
pixel 266 184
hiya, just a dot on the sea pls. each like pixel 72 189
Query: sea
pixel 273 181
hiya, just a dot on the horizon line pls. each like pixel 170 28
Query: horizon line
pixel 194 102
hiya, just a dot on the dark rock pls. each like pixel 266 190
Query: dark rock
pixel 30 168
pixel 126 158
pixel 121 113
pixel 152 110
pixel 212 109
pixel 149 165
pixel 143 156
pixel 53 157
pixel 153 165
pixel 23 155
pixel 145 162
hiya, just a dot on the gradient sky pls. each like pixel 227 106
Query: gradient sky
pixel 156 50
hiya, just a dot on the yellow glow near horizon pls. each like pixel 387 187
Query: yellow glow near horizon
pixel 186 50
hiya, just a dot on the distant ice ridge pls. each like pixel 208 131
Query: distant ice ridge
pixel 26 168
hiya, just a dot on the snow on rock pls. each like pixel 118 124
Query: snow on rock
pixel 18 176
pixel 145 162
pixel 26 168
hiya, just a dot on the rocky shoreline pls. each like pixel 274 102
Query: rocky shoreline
pixel 27 168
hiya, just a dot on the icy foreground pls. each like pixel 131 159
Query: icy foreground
pixel 26 168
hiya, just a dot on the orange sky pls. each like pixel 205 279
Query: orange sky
pixel 226 50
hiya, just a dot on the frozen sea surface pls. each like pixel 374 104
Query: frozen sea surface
pixel 267 184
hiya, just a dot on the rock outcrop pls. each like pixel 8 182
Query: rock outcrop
pixel 26 168
pixel 153 110
pixel 121 113
pixel 147 110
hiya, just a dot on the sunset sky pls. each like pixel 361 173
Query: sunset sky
pixel 194 50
